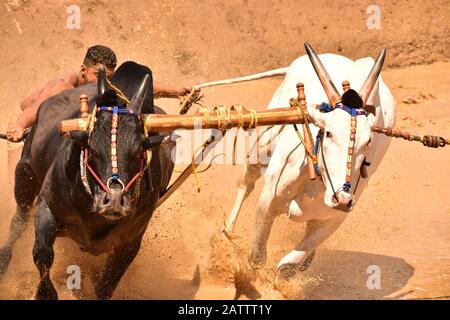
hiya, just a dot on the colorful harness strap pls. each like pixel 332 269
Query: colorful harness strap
pixel 145 159
pixel 325 107
pixel 115 121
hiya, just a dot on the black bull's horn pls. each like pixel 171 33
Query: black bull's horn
pixel 101 80
pixel 138 98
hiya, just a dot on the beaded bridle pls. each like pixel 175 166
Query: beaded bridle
pixel 324 107
pixel 115 177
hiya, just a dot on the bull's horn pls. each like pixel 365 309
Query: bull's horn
pixel 372 78
pixel 101 80
pixel 138 98
pixel 331 91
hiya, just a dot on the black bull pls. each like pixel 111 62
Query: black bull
pixel 49 169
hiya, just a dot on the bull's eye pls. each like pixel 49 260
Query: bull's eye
pixel 329 135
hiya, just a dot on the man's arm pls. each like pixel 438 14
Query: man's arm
pixel 165 91
pixel 31 104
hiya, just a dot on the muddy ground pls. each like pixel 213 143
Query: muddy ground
pixel 401 222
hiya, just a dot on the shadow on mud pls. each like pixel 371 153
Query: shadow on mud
pixel 333 274
pixel 352 275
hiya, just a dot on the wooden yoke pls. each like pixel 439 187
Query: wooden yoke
pixel 78 123
pixel 302 104
pixel 84 108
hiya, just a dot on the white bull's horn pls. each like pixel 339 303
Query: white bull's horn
pixel 331 91
pixel 372 78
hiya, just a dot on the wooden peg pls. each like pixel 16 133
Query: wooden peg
pixel 345 85
pixel 302 103
pixel 301 94
pixel 84 108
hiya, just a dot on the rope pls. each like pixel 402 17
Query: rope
pixel 223 119
pixel 430 141
pixel 186 102
pixel 119 93
pixel 304 115
pixel 254 121
pixel 267 74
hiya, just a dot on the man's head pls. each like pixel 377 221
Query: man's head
pixel 95 56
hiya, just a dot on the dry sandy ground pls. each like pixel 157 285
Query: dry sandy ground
pixel 401 222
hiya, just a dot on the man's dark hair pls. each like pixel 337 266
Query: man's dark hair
pixel 100 54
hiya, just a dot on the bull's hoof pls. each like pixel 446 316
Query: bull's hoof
pixel 257 259
pixel 305 265
pixel 103 293
pixel 46 290
pixel 5 258
pixel 289 270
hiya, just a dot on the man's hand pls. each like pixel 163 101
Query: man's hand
pixel 165 91
pixel 184 91
pixel 15 134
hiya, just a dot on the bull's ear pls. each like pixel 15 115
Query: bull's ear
pixel 316 117
pixel 79 136
pixel 152 141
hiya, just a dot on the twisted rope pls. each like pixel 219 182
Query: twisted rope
pixel 119 93
pixel 430 141
pixel 186 102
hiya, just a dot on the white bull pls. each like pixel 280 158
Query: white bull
pixel 286 181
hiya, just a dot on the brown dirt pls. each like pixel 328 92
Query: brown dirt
pixel 402 221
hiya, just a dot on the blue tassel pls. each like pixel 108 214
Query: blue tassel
pixel 325 107
pixel 347 187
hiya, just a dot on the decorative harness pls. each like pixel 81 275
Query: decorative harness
pixel 145 158
pixel 324 107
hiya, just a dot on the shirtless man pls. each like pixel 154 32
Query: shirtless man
pixel 95 56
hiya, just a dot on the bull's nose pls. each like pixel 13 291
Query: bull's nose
pixel 114 203
pixel 344 202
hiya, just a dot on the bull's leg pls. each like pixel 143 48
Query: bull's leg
pixel 26 188
pixel 317 231
pixel 45 234
pixel 115 267
pixel 279 189
pixel 246 184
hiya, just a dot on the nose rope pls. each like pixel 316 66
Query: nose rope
pixel 320 136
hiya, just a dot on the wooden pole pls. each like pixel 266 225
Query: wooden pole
pixel 211 120
pixel 158 123
pixel 308 142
